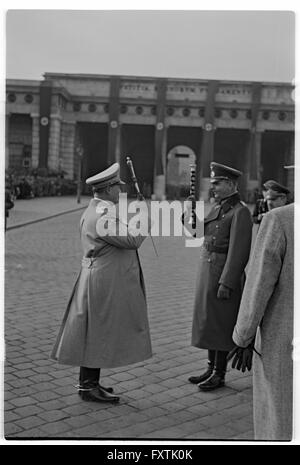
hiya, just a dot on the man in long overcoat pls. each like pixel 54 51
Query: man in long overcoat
pixel 106 322
pixel 223 257
pixel 267 311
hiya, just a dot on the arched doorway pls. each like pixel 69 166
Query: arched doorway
pixel 179 160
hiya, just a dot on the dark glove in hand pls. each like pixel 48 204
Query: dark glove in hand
pixel 223 292
pixel 242 357
pixel 140 197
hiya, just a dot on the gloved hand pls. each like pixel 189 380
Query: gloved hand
pixel 140 197
pixel 223 292
pixel 242 357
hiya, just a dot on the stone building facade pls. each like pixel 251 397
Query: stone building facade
pixel 163 124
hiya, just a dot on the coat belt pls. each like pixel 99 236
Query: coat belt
pixel 215 248
pixel 87 262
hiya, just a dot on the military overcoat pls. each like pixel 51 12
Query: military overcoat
pixel 106 323
pixel 223 258
pixel 267 304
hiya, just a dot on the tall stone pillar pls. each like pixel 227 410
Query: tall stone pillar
pixel 113 128
pixel 257 156
pixel 207 145
pixel 45 107
pixel 35 147
pixel 67 144
pixel 54 142
pixel 256 99
pixel 159 188
pixel 290 165
pixel 118 144
pixel 252 170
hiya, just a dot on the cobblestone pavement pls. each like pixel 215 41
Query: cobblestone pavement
pixel 157 402
pixel 32 210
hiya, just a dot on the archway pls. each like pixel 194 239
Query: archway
pixel 179 160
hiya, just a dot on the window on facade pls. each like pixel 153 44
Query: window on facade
pixel 123 109
pixel 153 110
pixel 266 114
pixel 201 112
pixel 106 108
pixel 282 115
pixel 76 106
pixel 28 98
pixel 233 113
pixel 139 110
pixel 92 107
pixel 249 114
pixel 170 111
pixel 11 98
pixel 186 112
pixel 218 113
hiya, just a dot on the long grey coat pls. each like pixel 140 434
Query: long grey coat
pixel 267 304
pixel 227 229
pixel 106 323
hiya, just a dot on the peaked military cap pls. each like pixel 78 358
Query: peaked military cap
pixel 219 172
pixel 106 178
pixel 276 187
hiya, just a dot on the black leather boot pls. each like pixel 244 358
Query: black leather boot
pixel 93 374
pixel 215 381
pixel 203 377
pixel 210 366
pixel 91 391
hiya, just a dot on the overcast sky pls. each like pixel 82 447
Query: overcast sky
pixel 237 45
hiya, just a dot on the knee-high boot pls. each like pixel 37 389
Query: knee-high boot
pixel 209 371
pixel 217 379
pixel 89 388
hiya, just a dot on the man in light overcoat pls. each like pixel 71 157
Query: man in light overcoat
pixel 267 311
pixel 106 322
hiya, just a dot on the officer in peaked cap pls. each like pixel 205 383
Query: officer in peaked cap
pixel 223 257
pixel 106 322
pixel 277 194
pixel 106 178
pixel 276 187
pixel 220 172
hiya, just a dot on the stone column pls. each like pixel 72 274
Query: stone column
pixel 118 144
pixel 113 128
pixel 257 156
pixel 67 147
pixel 159 188
pixel 207 145
pixel 290 165
pixel 35 140
pixel 54 142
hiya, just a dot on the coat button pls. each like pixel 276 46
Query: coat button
pixel 223 216
pixel 209 260
pixel 217 226
pixel 214 238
